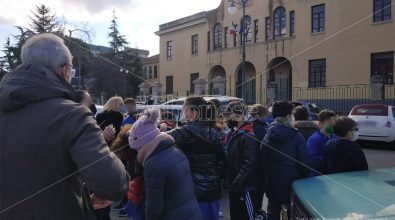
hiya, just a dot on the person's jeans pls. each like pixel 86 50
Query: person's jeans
pixel 136 212
pixel 210 210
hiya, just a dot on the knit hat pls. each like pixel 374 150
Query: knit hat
pixel 144 129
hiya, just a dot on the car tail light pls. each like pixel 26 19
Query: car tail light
pixel 388 124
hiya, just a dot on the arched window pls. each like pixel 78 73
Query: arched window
pixel 150 72
pixel 280 22
pixel 217 36
pixel 155 72
pixel 245 28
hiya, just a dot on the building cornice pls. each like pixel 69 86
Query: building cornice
pixel 182 26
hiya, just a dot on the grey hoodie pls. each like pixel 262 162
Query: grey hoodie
pixel 49 148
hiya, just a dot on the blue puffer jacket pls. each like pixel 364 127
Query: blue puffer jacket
pixel 283 147
pixel 169 190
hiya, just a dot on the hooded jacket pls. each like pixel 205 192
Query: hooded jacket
pixel 49 148
pixel 285 159
pixel 243 158
pixel 203 146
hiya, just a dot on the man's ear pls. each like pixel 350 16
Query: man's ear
pixel 63 72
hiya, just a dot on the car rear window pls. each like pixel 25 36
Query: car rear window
pixel 393 111
pixel 371 110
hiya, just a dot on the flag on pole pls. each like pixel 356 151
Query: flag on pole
pixel 233 30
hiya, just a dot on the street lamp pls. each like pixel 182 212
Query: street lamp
pixel 232 9
pixel 125 71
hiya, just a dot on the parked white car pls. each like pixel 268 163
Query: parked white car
pixel 224 100
pixel 375 122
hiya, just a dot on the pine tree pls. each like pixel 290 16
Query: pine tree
pixel 8 61
pixel 43 21
pixel 117 41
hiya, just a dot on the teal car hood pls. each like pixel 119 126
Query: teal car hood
pixel 354 195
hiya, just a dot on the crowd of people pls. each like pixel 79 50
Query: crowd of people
pixel 61 160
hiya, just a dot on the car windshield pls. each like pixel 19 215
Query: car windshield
pixel 315 108
pixel 371 110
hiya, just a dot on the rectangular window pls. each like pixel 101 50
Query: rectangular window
pixel 208 41
pixel 317 73
pixel 381 10
pixel 318 18
pixel 195 44
pixel 292 23
pixel 169 50
pixel 226 36
pixel 267 28
pixel 256 30
pixel 150 72
pixel 383 65
pixel 194 76
pixel 169 84
pixel 156 72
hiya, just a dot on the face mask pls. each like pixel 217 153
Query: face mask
pixel 93 109
pixel 232 124
pixel 355 136
pixel 292 120
pixel 329 129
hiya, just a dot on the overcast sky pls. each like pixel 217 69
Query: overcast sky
pixel 137 19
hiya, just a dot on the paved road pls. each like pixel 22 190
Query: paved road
pixel 378 156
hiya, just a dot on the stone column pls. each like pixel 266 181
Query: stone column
pixel 200 86
pixel 219 85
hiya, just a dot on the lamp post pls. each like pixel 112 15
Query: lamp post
pixel 232 9
pixel 125 71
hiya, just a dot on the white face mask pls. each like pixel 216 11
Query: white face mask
pixel 355 136
pixel 292 121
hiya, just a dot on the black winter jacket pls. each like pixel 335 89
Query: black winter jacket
pixel 285 157
pixel 110 117
pixel 169 190
pixel 344 156
pixel 243 159
pixel 203 146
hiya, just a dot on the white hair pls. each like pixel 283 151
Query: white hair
pixel 46 49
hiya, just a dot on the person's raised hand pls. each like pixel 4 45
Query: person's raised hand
pixel 109 133
pixel 99 203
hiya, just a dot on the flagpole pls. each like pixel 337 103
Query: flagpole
pixel 243 35
pixel 243 40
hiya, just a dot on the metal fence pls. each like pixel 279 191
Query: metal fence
pixel 339 98
pixel 342 98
